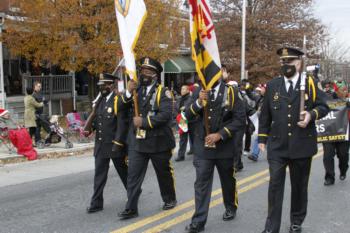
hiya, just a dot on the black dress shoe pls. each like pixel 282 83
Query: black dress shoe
pixel 194 228
pixel 178 159
pixel 328 182
pixel 93 209
pixel 295 229
pixel 127 214
pixel 253 158
pixel 239 168
pixel 229 215
pixel 342 176
pixel 190 152
pixel 169 205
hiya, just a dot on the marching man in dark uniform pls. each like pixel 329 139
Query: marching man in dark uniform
pixel 181 105
pixel 150 137
pixel 290 141
pixel 226 116
pixel 107 146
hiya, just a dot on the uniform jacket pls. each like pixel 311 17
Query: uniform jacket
pixel 280 114
pixel 183 102
pixel 30 106
pixel 226 116
pixel 106 125
pixel 156 110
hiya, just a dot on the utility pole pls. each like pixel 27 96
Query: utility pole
pixel 243 39
pixel 2 81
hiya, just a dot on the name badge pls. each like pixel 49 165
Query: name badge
pixel 140 133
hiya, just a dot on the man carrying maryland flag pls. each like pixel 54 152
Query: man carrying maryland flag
pixel 220 113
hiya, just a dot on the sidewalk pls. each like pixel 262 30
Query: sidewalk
pixel 53 151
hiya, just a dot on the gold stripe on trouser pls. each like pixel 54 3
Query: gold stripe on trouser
pixel 126 161
pixel 236 194
pixel 172 173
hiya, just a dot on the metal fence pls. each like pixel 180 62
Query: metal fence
pixel 52 84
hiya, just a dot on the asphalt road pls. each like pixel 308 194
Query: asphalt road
pixel 58 203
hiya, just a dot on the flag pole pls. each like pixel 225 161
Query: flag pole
pixel 205 103
pixel 243 39
pixel 136 103
pixel 303 81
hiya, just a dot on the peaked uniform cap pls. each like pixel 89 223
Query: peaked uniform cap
pixel 107 78
pixel 151 63
pixel 289 52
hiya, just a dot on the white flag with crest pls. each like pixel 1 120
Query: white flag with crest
pixel 130 16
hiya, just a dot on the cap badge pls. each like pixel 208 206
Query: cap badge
pixel 284 52
pixel 146 62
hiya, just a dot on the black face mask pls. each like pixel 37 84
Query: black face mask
pixel 105 91
pixel 146 80
pixel 288 70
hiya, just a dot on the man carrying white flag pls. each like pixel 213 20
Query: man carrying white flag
pixel 130 16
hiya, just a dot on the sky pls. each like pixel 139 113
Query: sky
pixel 335 14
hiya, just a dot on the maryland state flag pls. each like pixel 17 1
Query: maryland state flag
pixel 130 16
pixel 205 51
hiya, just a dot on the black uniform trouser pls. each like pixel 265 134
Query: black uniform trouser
pixel 248 138
pixel 182 145
pixel 138 163
pixel 299 170
pixel 204 182
pixel 101 174
pixel 238 140
pixel 191 133
pixel 341 149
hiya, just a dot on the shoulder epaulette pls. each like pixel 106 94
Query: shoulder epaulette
pixel 311 85
pixel 159 94
pixel 231 90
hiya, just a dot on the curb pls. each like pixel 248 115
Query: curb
pixel 58 153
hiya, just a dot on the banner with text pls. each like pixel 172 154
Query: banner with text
pixel 335 126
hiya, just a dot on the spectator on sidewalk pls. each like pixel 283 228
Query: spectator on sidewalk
pixel 30 106
pixel 39 111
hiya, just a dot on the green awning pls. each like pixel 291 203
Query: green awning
pixel 179 65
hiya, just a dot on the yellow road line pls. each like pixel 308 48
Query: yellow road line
pixel 189 214
pixel 164 214
pixel 185 205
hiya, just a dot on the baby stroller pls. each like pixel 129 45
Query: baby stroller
pixel 76 122
pixel 5 141
pixel 14 136
pixel 55 133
